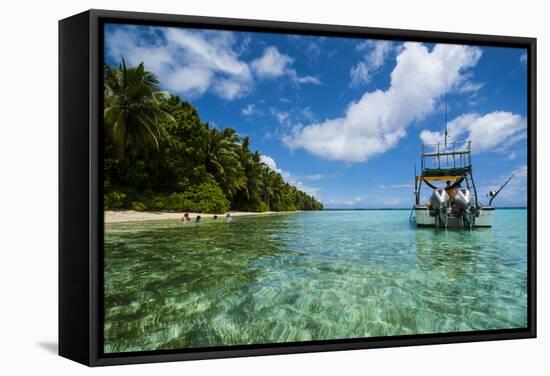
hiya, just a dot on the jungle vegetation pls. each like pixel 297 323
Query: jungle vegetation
pixel 159 155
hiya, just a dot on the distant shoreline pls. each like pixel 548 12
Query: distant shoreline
pixel 360 209
pixel 123 216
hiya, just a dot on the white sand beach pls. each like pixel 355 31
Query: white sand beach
pixel 118 216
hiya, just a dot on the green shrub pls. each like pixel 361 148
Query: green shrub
pixel 114 200
pixel 158 203
pixel 206 197
pixel 254 206
pixel 138 206
pixel 178 202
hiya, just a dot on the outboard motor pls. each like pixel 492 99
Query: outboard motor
pixel 440 202
pixel 439 199
pixel 463 198
pixel 463 201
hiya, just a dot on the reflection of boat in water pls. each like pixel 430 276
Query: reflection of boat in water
pixel 451 253
pixel 453 206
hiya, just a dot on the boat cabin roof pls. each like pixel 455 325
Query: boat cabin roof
pixel 444 173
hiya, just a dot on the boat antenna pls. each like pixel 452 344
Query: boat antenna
pixel 446 110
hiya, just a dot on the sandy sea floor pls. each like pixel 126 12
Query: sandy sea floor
pixel 308 276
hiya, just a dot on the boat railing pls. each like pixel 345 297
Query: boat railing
pixel 456 154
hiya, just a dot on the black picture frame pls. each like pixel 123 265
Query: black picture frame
pixel 80 188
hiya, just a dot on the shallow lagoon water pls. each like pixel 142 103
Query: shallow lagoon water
pixel 309 276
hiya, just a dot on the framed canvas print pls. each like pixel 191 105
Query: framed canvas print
pixel 238 187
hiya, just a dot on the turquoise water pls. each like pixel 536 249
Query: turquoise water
pixel 309 276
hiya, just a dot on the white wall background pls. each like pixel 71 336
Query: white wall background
pixel 28 186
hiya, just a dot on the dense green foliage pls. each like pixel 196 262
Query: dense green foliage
pixel 159 156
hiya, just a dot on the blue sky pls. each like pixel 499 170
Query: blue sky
pixel 344 118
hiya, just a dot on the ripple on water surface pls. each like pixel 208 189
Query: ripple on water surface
pixel 309 276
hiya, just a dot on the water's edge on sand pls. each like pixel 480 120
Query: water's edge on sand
pixel 121 216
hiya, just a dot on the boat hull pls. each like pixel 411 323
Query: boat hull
pixel 426 217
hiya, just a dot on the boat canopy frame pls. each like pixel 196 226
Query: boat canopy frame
pixel 443 162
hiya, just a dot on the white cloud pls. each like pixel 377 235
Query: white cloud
pixel 376 51
pixel 391 202
pixel 292 180
pixel 314 177
pixel 307 114
pixel 474 98
pixel 188 80
pixel 523 58
pixel 211 51
pixel 379 119
pixel 244 44
pixel 274 64
pixel 288 177
pixel 303 79
pixel 375 55
pixel 269 162
pixel 465 85
pixel 520 172
pixel 292 116
pixel 396 186
pixel 344 202
pixel 283 117
pixel 470 87
pixel 359 74
pixel 313 51
pixel 513 155
pixel 187 62
pixel 192 62
pixel 230 89
pixel 378 200
pixel 514 193
pixel 249 110
pixel 208 49
pixel 493 131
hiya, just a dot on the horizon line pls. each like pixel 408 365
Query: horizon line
pixel 496 207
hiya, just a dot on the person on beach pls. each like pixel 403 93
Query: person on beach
pixel 228 217
pixel 198 219
pixel 215 217
pixel 186 218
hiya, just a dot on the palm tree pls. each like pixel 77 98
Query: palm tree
pixel 222 160
pixel 252 170
pixel 270 185
pixel 281 190
pixel 132 108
